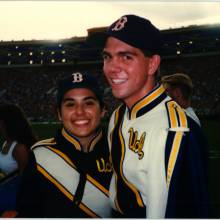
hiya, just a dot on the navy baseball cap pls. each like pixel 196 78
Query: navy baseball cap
pixel 78 80
pixel 137 32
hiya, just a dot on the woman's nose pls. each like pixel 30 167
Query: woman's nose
pixel 79 109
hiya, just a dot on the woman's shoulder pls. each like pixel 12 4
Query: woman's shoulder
pixel 45 142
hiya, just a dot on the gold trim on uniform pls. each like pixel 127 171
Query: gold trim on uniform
pixel 66 192
pixel 98 185
pixel 116 116
pixel 115 121
pixel 175 112
pixel 178 124
pixel 62 155
pixel 116 200
pixel 148 99
pixel 88 211
pixel 136 145
pixel 71 139
pixel 172 114
pixel 130 185
pixel 105 166
pixel 173 155
pixel 57 184
pixel 182 117
pixel 49 141
pixel 95 140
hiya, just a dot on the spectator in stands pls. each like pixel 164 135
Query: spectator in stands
pixel 18 137
pixel 179 87
pixel 69 175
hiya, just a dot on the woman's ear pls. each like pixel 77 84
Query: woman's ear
pixel 154 63
pixel 59 114
pixel 103 111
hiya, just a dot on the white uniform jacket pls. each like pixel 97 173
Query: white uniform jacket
pixel 145 146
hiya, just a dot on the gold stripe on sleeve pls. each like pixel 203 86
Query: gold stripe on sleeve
pixel 173 155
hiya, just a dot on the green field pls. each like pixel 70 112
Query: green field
pixel 212 131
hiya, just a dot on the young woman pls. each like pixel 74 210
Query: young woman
pixel 18 138
pixel 69 175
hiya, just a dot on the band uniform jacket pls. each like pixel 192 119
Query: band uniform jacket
pixel 159 160
pixel 62 181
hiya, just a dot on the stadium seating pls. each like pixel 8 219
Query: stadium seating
pixel 29 70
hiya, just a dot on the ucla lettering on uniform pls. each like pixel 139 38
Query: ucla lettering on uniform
pixel 104 166
pixel 77 77
pixel 136 145
pixel 120 24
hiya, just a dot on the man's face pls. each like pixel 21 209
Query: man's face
pixel 127 70
pixel 80 112
pixel 176 94
pixel 171 92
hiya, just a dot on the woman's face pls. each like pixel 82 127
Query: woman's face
pixel 80 112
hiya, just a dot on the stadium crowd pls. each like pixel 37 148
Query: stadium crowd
pixel 204 72
pixel 33 87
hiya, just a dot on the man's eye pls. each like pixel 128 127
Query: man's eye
pixel 127 57
pixel 105 56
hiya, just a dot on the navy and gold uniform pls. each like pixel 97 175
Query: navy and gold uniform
pixel 64 181
pixel 158 157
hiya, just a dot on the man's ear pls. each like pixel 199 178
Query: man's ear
pixel 178 93
pixel 154 63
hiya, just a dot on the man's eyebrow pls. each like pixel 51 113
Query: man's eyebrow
pixel 120 53
pixel 127 53
pixel 104 52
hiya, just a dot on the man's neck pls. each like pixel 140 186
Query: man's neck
pixel 135 98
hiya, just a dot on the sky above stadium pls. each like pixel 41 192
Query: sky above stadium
pixel 41 20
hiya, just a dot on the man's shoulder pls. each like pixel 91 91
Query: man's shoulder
pixel 177 117
pixel 191 113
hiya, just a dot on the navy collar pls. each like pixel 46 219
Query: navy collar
pixel 76 143
pixel 147 103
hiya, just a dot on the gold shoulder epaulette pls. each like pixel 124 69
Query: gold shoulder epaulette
pixel 176 116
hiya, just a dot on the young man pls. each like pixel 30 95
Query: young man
pixel 68 176
pixel 179 87
pixel 157 151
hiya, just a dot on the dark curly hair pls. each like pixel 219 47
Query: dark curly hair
pixel 17 126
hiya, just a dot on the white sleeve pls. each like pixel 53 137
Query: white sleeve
pixel 157 189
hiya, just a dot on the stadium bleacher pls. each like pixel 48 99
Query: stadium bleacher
pixel 29 69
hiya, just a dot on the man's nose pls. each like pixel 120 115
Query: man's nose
pixel 114 65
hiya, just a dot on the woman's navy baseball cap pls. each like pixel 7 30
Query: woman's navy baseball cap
pixel 79 80
pixel 137 32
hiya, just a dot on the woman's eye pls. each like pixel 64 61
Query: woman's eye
pixel 69 104
pixel 90 103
